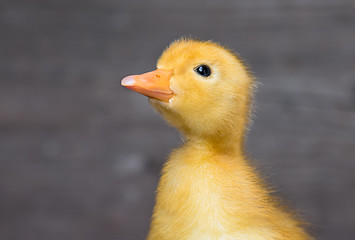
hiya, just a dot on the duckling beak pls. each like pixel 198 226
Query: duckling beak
pixel 153 84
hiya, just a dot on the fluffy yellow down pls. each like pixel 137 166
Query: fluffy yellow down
pixel 207 190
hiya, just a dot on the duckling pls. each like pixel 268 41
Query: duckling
pixel 208 189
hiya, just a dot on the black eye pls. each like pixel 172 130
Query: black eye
pixel 203 70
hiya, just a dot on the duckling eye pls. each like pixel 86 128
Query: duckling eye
pixel 203 70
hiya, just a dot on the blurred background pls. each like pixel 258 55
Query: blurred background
pixel 80 155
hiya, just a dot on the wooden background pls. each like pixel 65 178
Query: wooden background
pixel 80 155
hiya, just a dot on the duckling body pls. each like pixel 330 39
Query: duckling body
pixel 208 190
pixel 205 193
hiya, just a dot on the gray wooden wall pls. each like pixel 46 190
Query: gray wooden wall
pixel 80 156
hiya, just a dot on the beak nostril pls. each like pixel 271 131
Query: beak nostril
pixel 158 76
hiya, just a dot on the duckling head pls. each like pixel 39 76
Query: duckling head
pixel 201 88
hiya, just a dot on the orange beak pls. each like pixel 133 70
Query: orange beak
pixel 153 84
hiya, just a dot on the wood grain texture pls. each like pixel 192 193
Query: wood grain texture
pixel 80 156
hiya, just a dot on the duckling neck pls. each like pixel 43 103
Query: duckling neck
pixel 231 145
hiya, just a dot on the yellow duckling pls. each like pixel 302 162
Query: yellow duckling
pixel 207 190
